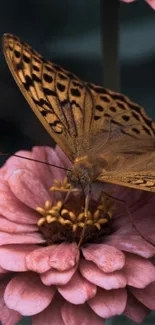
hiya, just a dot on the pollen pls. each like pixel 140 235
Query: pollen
pixel 67 221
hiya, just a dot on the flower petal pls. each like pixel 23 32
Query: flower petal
pixel 128 1
pixel 73 315
pixel 78 290
pixel 109 303
pixel 146 296
pixel 13 209
pixel 7 316
pixel 54 277
pixel 26 294
pixel 151 3
pixel 132 244
pixel 135 310
pixel 51 315
pixel 32 238
pixel 104 280
pixel 47 173
pixel 14 163
pixel 12 257
pixel 61 257
pixel 14 227
pixel 133 268
pixel 107 258
pixel 28 188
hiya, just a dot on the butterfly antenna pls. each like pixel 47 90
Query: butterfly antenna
pixel 130 216
pixel 31 159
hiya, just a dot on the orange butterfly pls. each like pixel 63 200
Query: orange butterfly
pixel 107 137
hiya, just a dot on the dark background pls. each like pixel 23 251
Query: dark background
pixel 70 34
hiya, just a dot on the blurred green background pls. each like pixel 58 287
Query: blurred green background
pixel 70 34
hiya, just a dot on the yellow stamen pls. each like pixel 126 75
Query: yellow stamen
pixel 75 222
pixel 41 221
pixel 57 183
pixel 96 214
pixel 50 219
pixel 97 226
pixel 80 216
pixel 64 212
pixel 81 224
pixel 90 222
pixel 72 216
pixel 102 221
pixel 59 204
pixel 40 210
pixel 47 205
pixel 74 227
pixel 67 222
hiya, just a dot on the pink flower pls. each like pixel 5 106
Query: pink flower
pixel 52 279
pixel 150 2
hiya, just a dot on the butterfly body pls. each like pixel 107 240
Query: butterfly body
pixel 106 136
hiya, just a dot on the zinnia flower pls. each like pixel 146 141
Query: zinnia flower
pixel 150 2
pixel 46 274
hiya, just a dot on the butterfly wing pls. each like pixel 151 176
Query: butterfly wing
pixel 142 181
pixel 128 162
pixel 84 118
pixel 57 97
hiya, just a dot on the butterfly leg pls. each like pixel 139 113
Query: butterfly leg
pixel 86 209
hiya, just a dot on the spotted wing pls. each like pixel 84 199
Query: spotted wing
pixel 79 116
pixel 57 97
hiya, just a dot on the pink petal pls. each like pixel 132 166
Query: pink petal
pixel 107 258
pixel 13 209
pixel 61 257
pixel 12 257
pixel 151 3
pixel 107 281
pixel 7 316
pixel 128 1
pixel 135 310
pixel 132 244
pixel 45 172
pixel 51 315
pixel 146 296
pixel 28 188
pixel 26 294
pixel 109 303
pixel 73 315
pixel 133 268
pixel 13 227
pixel 78 290
pixel 32 238
pixel 54 277
pixel 14 163
pixel 3 271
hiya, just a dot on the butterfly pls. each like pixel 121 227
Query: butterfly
pixel 107 137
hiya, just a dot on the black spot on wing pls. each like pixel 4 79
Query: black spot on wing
pixel 61 87
pixel 17 54
pixel 28 82
pixel 48 78
pixel 26 58
pixel 75 92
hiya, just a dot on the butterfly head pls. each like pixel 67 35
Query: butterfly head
pixel 79 177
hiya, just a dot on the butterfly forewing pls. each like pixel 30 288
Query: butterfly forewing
pixel 52 92
pixel 85 119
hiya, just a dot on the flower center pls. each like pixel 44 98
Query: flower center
pixel 66 220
